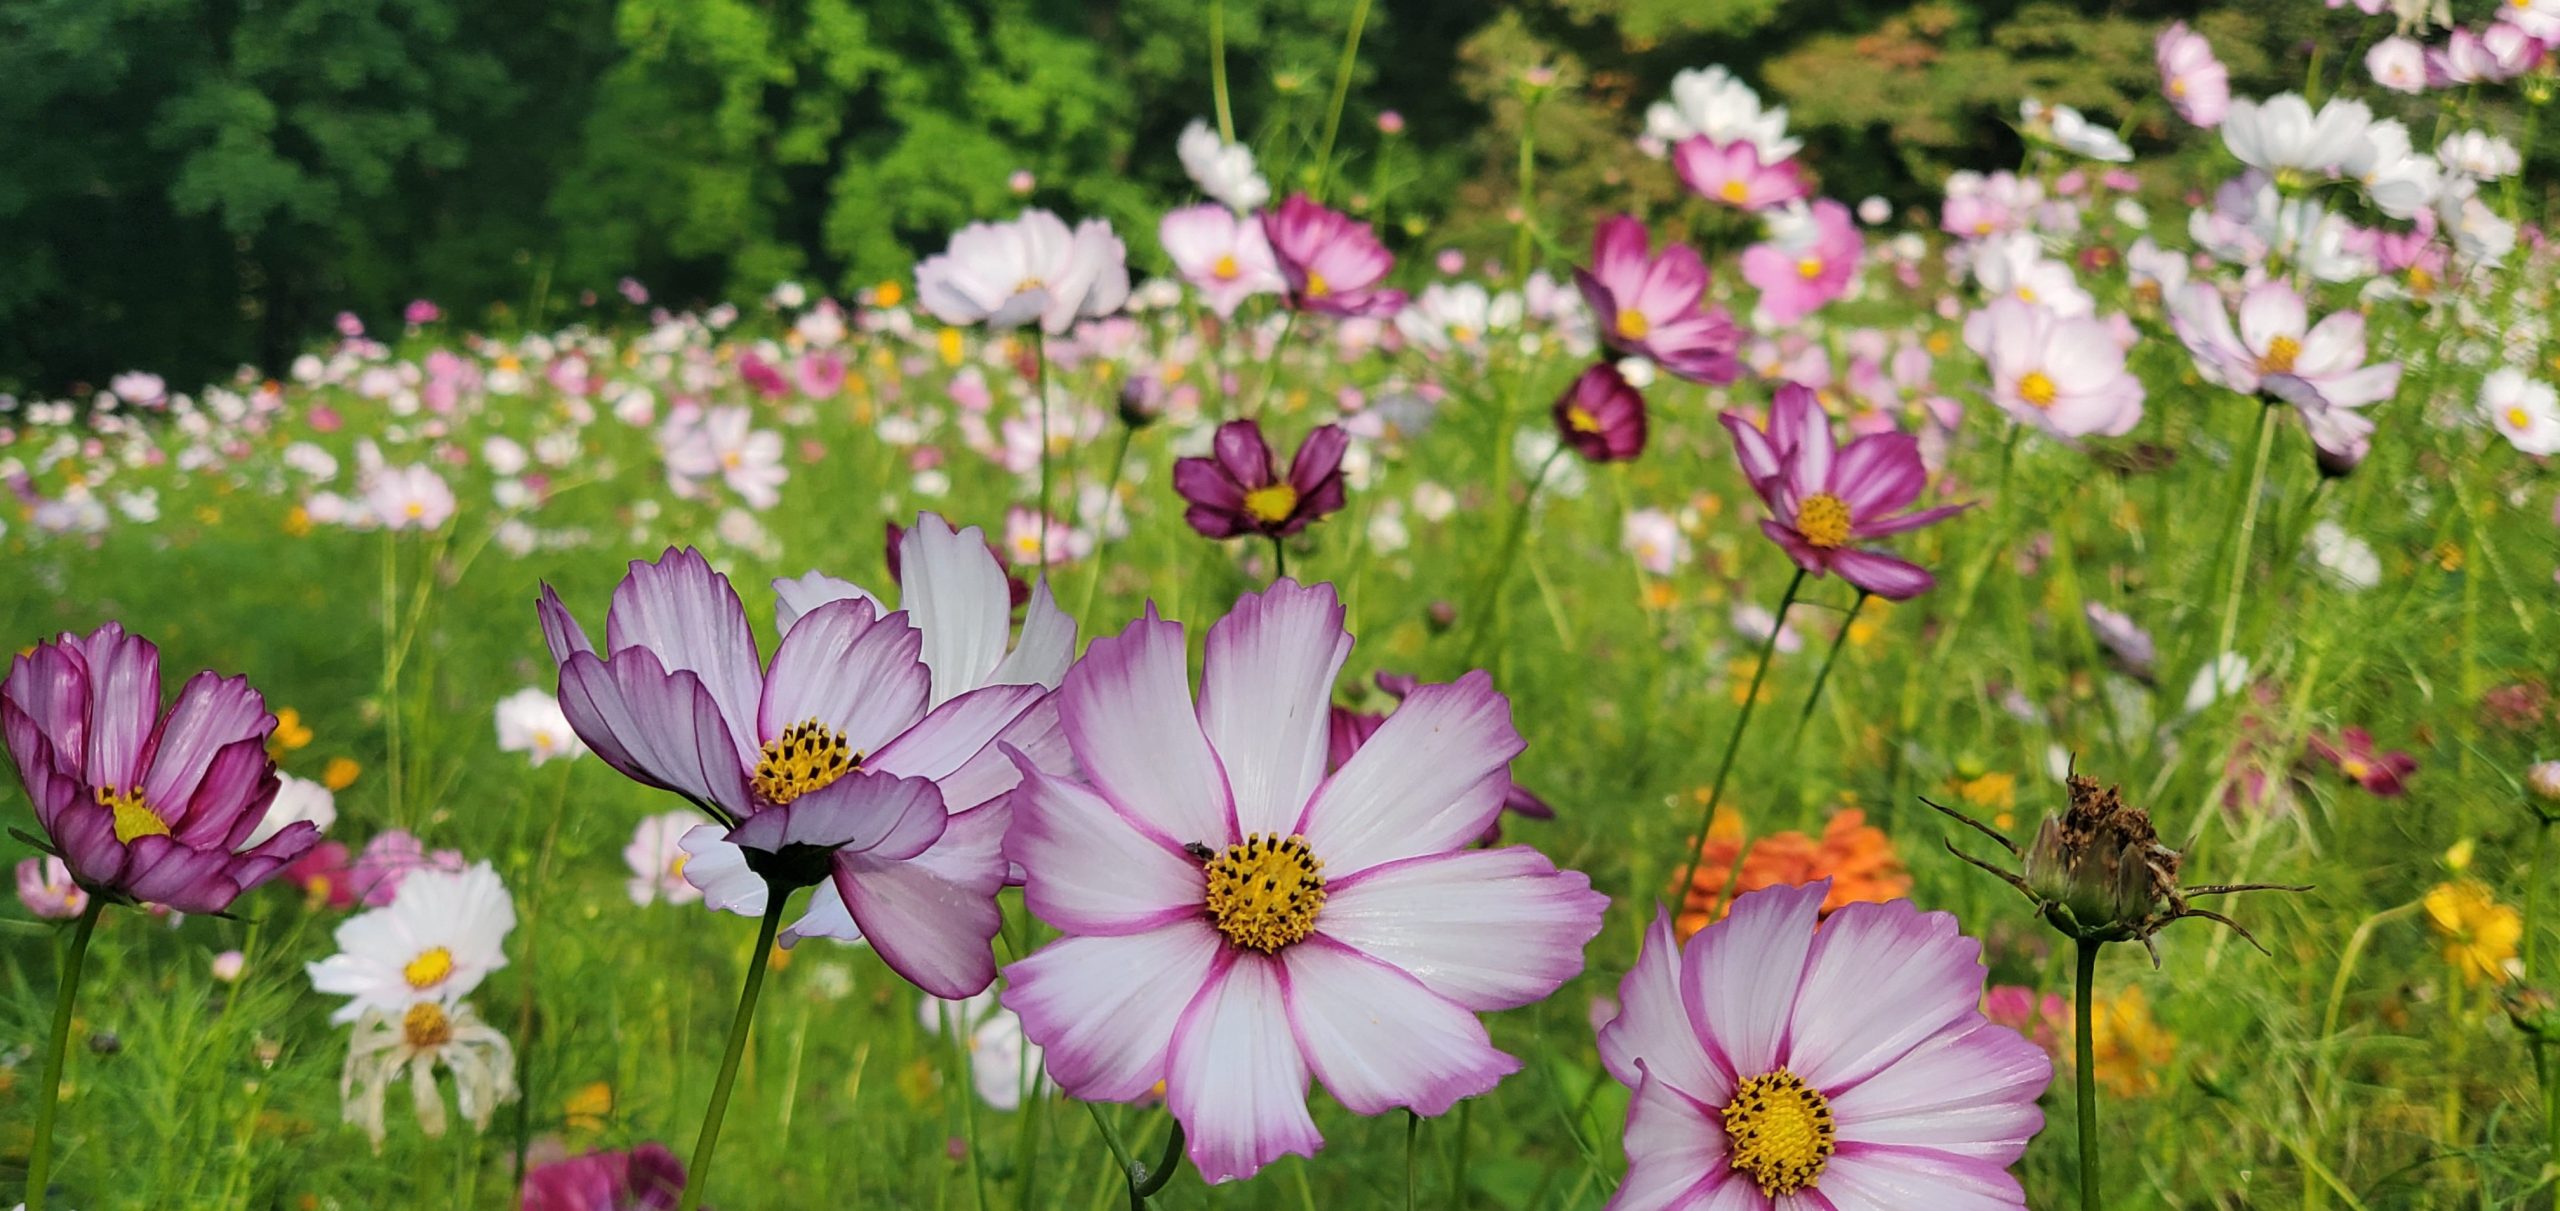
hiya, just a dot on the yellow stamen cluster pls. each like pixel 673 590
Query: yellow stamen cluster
pixel 1316 287
pixel 1271 505
pixel 134 818
pixel 1823 519
pixel 426 1026
pixel 2037 387
pixel 1781 1132
pixel 1226 269
pixel 2279 356
pixel 806 756
pixel 1265 892
pixel 1632 325
pixel 1735 191
pixel 1809 268
pixel 1581 419
pixel 428 969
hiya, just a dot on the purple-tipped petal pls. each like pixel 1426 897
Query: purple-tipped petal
pixel 690 618
pixel 1378 1039
pixel 560 629
pixel 1101 873
pixel 658 728
pixel 1265 695
pixel 956 733
pixel 933 917
pixel 124 703
pixel 212 715
pixel 880 815
pixel 1103 1009
pixel 854 672
pixel 1430 779
pixel 1235 1078
pixel 1127 711
pixel 1489 929
pixel 1883 575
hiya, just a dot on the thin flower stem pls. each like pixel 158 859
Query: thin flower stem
pixel 1119 463
pixel 391 654
pixel 1040 386
pixel 1218 69
pixel 957 1031
pixel 2240 556
pixel 2085 1075
pixel 1279 559
pixel 1510 555
pixel 1732 748
pixel 1823 677
pixel 1520 240
pixel 1412 1137
pixel 1271 364
pixel 1145 1185
pixel 532 953
pixel 698 1174
pixel 48 1097
pixel 1341 91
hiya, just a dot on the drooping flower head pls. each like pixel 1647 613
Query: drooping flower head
pixel 142 805
pixel 862 758
pixel 1238 489
pixel 1774 1058
pixel 1601 416
pixel 1236 921
pixel 1005 275
pixel 1824 500
pixel 1654 305
pixel 1331 261
pixel 413 1044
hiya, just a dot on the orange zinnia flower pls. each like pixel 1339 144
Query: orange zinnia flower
pixel 1857 857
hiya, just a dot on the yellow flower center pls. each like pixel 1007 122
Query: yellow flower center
pixel 2177 88
pixel 806 756
pixel 2279 356
pixel 429 969
pixel 426 1026
pixel 2026 294
pixel 134 818
pixel 2356 768
pixel 1735 191
pixel 1271 505
pixel 1265 892
pixel 2036 387
pixel 887 294
pixel 1316 287
pixel 1463 335
pixel 1781 1132
pixel 1809 268
pixel 1823 519
pixel 1581 419
pixel 1027 285
pixel 1632 325
pixel 1226 269
pixel 2518 418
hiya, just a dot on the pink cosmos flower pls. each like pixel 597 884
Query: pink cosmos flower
pixel 1823 500
pixel 820 374
pixel 408 498
pixel 646 1178
pixel 421 312
pixel 724 443
pixel 388 860
pixel 1783 1061
pixel 657 859
pixel 1237 921
pixel 45 886
pixel 1601 416
pixel 1654 305
pixel 1225 258
pixel 1805 264
pixel 143 805
pixel 1005 275
pixel 2398 64
pixel 832 766
pixel 1239 489
pixel 1733 174
pixel 2319 369
pixel 2380 773
pixel 1330 262
pixel 2064 376
pixel 2197 84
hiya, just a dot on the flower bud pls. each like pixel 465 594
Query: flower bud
pixel 2103 861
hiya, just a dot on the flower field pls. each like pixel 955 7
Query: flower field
pixel 2039 700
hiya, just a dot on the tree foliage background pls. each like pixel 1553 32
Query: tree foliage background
pixel 187 185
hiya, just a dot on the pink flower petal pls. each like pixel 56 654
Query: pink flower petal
pixel 1488 929
pixel 1739 975
pixel 1104 1009
pixel 212 714
pixel 689 617
pixel 1235 1078
pixel 957 732
pixel 1676 1157
pixel 880 816
pixel 956 593
pixel 933 916
pixel 1883 575
pixel 850 669
pixel 1127 712
pixel 1378 1039
pixel 1652 1033
pixel 1093 871
pixel 661 729
pixel 1881 978
pixel 1431 778
pixel 1869 1177
pixel 1265 694
pixel 1970 1091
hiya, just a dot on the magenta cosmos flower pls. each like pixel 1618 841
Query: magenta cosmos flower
pixel 646 1178
pixel 1735 175
pixel 141 805
pixel 1823 500
pixel 1654 306
pixel 2378 772
pixel 1807 261
pixel 1331 261
pixel 1239 489
pixel 1602 416
pixel 1237 921
pixel 1785 1061
pixel 839 765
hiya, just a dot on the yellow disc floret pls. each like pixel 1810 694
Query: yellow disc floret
pixel 1823 519
pixel 1781 1132
pixel 2037 387
pixel 429 969
pixel 134 818
pixel 1271 505
pixel 426 1026
pixel 1265 892
pixel 806 756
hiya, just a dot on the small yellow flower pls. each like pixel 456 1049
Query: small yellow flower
pixel 888 294
pixel 587 1107
pixel 2448 555
pixel 291 733
pixel 1869 623
pixel 1738 680
pixel 2480 934
pixel 2458 858
pixel 340 773
pixel 297 522
pixel 949 343
pixel 2130 1048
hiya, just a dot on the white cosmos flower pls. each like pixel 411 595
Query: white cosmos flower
pixel 296 799
pixel 2015 266
pixel 438 938
pixel 2073 132
pixel 530 722
pixel 1711 102
pixel 2224 676
pixel 1224 171
pixel 1001 1061
pixel 2524 410
pixel 657 859
pixel 1005 275
pixel 2479 155
pixel 1459 316
pixel 414 1042
pixel 2349 560
pixel 1654 538
pixel 2283 133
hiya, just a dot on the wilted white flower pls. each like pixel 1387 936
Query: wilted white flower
pixel 414 1043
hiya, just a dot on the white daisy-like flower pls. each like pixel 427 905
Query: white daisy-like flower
pixel 1224 171
pixel 2349 560
pixel 296 799
pixel 437 939
pixel 414 1042
pixel 530 722
pixel 2524 410
pixel 2284 134
pixel 2073 132
pixel 657 859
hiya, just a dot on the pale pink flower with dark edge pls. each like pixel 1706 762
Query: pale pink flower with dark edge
pixel 1823 500
pixel 1654 304
pixel 140 804
pixel 1237 921
pixel 1784 1060
pixel 1332 262
pixel 1734 174
pixel 831 766
pixel 2197 84
pixel 2278 352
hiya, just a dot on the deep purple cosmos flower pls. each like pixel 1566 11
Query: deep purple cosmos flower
pixel 646 1178
pixel 1331 261
pixel 2380 773
pixel 1602 416
pixel 1236 921
pixel 1823 500
pixel 861 759
pixel 1654 305
pixel 141 805
pixel 1239 489
pixel 1784 1060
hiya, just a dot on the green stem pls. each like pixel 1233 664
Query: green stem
pixel 1271 364
pixel 1341 91
pixel 2085 1076
pixel 1733 747
pixel 2240 556
pixel 956 1032
pixel 391 654
pixel 698 1174
pixel 1144 1185
pixel 1040 385
pixel 1218 69
pixel 532 934
pixel 1510 554
pixel 1528 190
pixel 1823 677
pixel 1412 1137
pixel 48 1098
pixel 1110 496
pixel 1279 560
